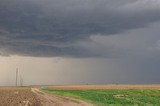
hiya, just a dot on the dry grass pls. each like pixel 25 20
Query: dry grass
pixel 89 87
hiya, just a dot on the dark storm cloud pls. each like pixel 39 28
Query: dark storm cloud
pixel 52 27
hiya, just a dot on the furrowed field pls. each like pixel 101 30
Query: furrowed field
pixel 113 97
pixel 11 96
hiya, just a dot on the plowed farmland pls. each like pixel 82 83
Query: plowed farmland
pixel 113 86
pixel 10 96
pixel 27 96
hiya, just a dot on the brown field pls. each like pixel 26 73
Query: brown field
pixel 88 87
pixel 11 96
pixel 31 96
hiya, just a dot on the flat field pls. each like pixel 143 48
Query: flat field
pixel 81 95
pixel 111 95
pixel 113 86
pixel 13 96
pixel 32 96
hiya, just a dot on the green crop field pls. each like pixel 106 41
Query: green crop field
pixel 111 97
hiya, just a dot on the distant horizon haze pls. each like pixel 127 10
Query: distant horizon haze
pixel 55 42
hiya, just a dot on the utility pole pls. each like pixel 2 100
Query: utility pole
pixel 21 81
pixel 17 77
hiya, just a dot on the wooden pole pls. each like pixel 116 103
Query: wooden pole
pixel 17 77
pixel 21 81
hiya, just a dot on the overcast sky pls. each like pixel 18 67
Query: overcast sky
pixel 80 41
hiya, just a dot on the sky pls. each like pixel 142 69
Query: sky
pixel 80 41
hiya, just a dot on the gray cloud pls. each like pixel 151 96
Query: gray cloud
pixel 53 27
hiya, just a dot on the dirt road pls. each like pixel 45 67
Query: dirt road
pixel 54 100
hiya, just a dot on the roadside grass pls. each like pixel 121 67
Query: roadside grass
pixel 114 97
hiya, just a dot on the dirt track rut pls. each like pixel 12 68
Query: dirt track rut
pixel 54 100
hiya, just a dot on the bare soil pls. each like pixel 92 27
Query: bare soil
pixel 11 96
pixel 55 100
pixel 25 96
pixel 88 87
